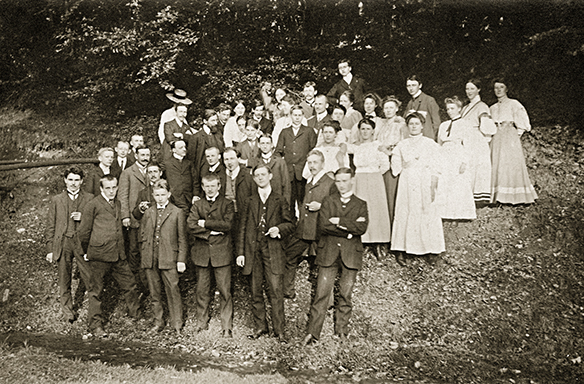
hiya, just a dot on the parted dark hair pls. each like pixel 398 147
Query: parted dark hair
pixel 161 184
pixel 208 113
pixel 265 134
pixel 107 178
pixel 350 95
pixel 415 115
pixel 173 143
pixel 258 166
pixel 367 121
pixel 374 96
pixel 333 124
pixel 310 84
pixel 234 150
pixel 415 77
pixel 344 61
pixel 73 170
pixel 222 107
pixel 139 147
pixel 477 82
pixel 211 177
pixel 154 164
pixel 252 123
pixel 341 107
pixel 453 100
pixel 345 170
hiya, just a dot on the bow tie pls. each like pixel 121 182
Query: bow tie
pixel 345 200
pixel 370 116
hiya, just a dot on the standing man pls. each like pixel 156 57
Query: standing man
pixel 175 129
pixel 179 174
pixel 265 221
pixel 207 137
pixel 318 186
pixel 294 144
pixel 135 142
pixel 121 162
pixel 238 183
pixel 210 223
pixel 280 178
pixel 213 165
pixel 102 242
pixel 307 104
pixel 348 83
pixel 164 247
pixel 223 113
pixel 132 181
pixel 321 116
pixel 106 158
pixel 425 105
pixel 145 196
pixel 178 97
pixel 61 233
pixel 343 219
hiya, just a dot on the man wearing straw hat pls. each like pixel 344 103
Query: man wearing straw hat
pixel 178 97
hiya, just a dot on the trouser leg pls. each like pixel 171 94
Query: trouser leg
pixel 275 285
pixel 134 260
pixel 344 307
pixel 175 308
pixel 123 274
pixel 64 267
pixel 324 290
pixel 153 277
pixel 257 293
pixel 98 271
pixel 294 251
pixel 223 280
pixel 203 295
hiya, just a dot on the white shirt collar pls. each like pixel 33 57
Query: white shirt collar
pixel 214 167
pixel 348 78
pixel 314 179
pixel 417 93
pixel 106 170
pixel 233 174
pixel 267 156
pixel 179 122
pixel 161 206
pixel 177 156
pixel 206 129
pixel 265 193
pixel 122 160
pixel 321 116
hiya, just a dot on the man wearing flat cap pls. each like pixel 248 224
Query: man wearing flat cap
pixel 178 97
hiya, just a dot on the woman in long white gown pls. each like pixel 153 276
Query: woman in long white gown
pixel 417 226
pixel 454 196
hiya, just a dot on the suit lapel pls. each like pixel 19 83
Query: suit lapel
pixel 167 212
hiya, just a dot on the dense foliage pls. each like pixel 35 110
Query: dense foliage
pixel 121 55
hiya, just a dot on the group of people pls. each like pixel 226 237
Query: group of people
pixel 310 178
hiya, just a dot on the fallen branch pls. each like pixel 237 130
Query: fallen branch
pixel 46 164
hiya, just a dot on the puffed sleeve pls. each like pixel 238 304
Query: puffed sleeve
pixel 520 117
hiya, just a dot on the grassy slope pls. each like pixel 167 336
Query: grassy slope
pixel 506 303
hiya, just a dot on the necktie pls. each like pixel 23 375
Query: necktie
pixel 111 203
pixel 73 196
pixel 450 126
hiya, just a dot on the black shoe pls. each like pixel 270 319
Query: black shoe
pixel 227 334
pixel 257 334
pixel 309 340
pixel 401 260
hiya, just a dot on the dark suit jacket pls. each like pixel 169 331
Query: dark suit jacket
pixel 334 239
pixel 173 245
pixel 247 151
pixel 277 215
pixel 116 170
pixel 317 125
pixel 244 187
pixel 220 171
pixel 427 104
pixel 132 181
pixel 180 176
pixel 198 143
pixel 295 148
pixel 307 109
pixel 57 220
pixel 357 86
pixel 170 128
pixel 218 217
pixel 266 125
pixel 308 222
pixel 100 231
pixel 91 182
pixel 280 176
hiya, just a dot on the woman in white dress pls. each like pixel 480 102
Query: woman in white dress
pixel 510 180
pixel 454 196
pixel 417 226
pixel 231 133
pixel 371 103
pixel 352 116
pixel 478 143
pixel 391 131
pixel 371 164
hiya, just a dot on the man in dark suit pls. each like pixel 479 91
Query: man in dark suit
pixel 423 104
pixel 106 158
pixel 175 129
pixel 121 161
pixel 164 247
pixel 302 243
pixel 280 177
pixel 348 83
pixel 213 165
pixel 61 234
pixel 307 104
pixel 179 174
pixel 210 223
pixel 294 144
pixel 258 114
pixel 145 197
pixel 207 137
pixel 321 116
pixel 136 141
pixel 131 182
pixel 265 221
pixel 343 219
pixel 102 243
pixel 239 184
